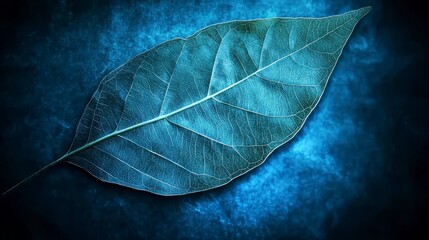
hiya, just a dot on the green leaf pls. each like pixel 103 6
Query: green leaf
pixel 192 114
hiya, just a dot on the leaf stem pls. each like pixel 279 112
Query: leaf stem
pixel 36 173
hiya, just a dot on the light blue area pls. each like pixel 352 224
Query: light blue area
pixel 306 180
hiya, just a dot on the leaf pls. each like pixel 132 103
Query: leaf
pixel 192 114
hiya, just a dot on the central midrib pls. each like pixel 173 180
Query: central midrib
pixel 115 133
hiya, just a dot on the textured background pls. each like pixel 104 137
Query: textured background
pixel 358 168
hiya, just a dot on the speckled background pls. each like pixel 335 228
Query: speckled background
pixel 357 170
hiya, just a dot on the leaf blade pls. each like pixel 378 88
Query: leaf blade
pixel 132 135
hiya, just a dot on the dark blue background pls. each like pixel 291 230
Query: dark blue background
pixel 358 169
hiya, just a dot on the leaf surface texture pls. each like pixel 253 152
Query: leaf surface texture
pixel 192 114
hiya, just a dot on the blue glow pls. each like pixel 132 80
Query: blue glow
pixel 297 192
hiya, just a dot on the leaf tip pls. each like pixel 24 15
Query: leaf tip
pixel 359 13
pixel 364 11
pixel 367 9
